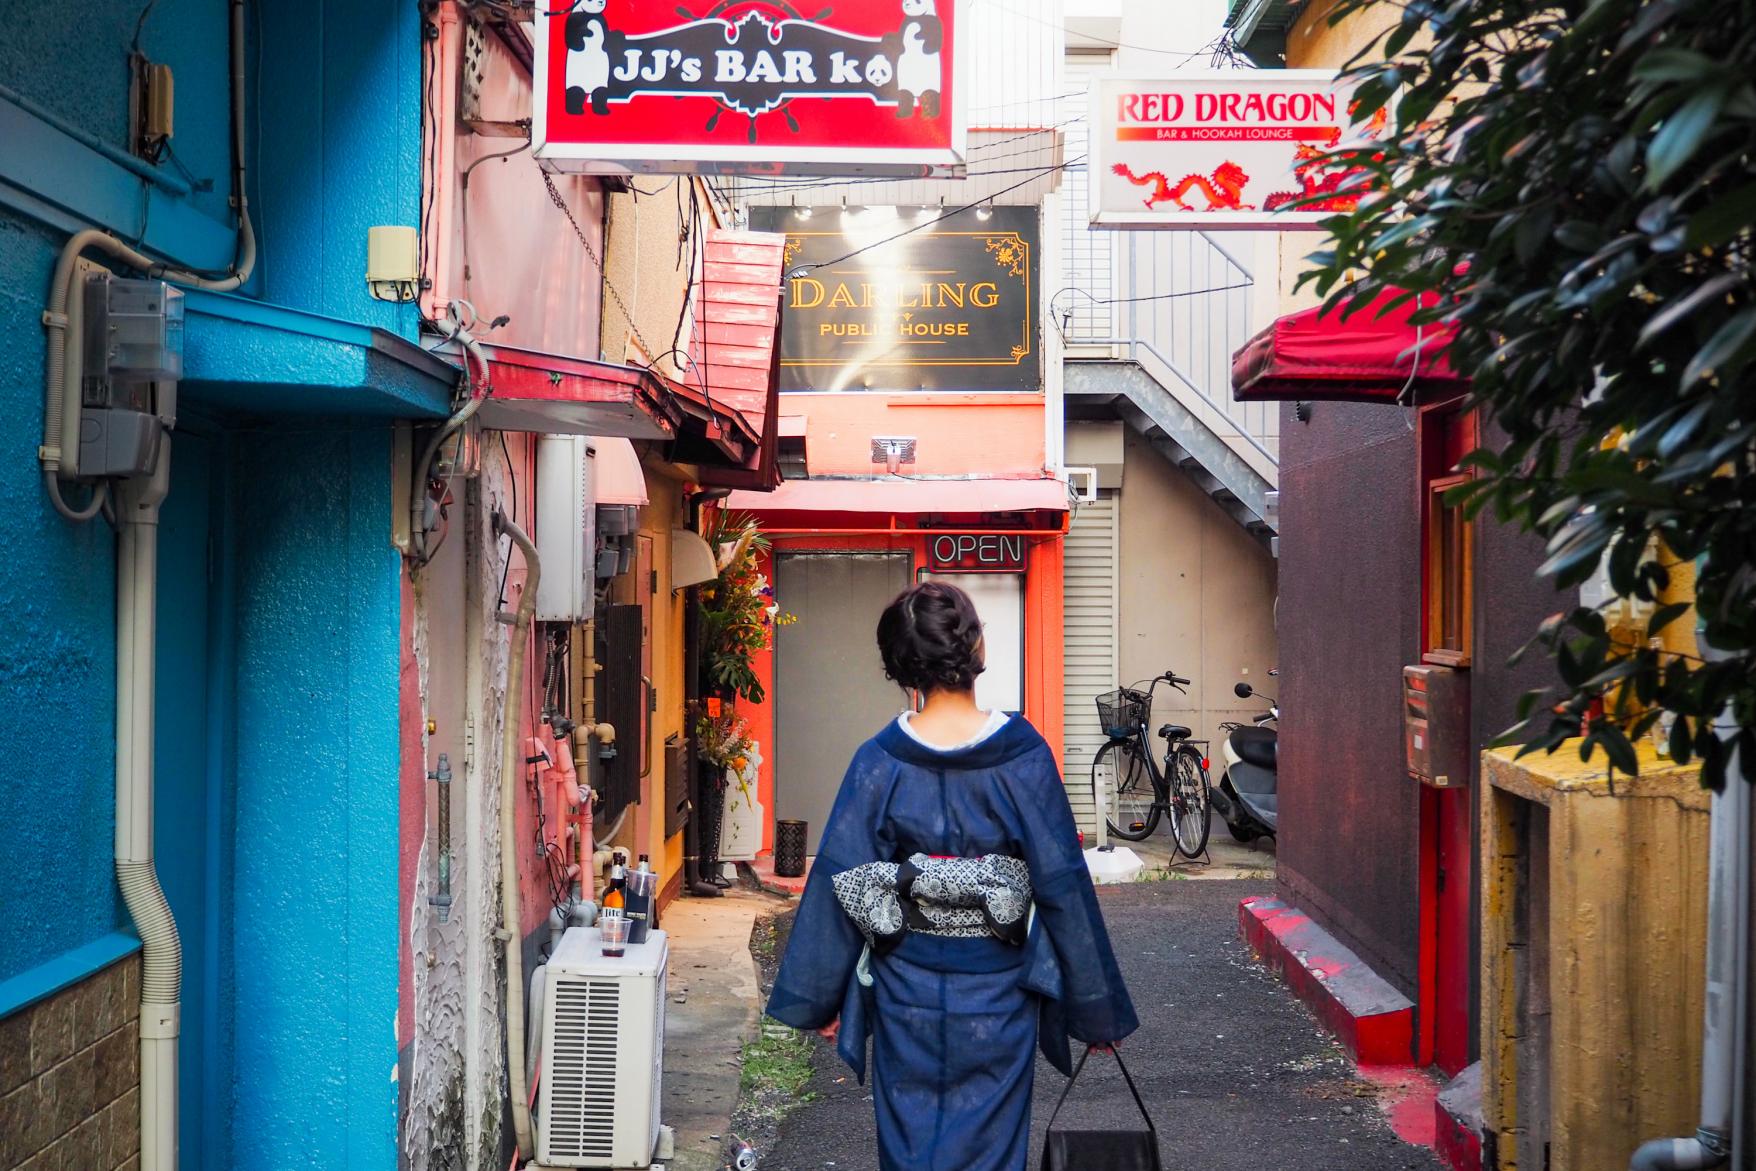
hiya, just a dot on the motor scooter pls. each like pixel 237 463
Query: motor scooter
pixel 1245 795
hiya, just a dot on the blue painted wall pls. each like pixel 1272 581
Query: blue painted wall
pixel 315 928
pixel 279 604
pixel 341 151
pixel 57 658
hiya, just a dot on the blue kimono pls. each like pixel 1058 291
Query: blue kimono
pixel 954 1022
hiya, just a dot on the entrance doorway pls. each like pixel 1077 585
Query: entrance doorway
pixel 999 599
pixel 830 693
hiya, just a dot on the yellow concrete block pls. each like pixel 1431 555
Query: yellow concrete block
pixel 1594 908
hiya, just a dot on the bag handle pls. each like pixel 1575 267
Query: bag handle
pixel 1126 1076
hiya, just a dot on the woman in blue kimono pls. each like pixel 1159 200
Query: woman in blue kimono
pixel 949 915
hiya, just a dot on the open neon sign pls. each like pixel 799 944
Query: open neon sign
pixel 976 553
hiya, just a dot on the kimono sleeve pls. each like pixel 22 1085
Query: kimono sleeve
pixel 1095 1003
pixel 825 945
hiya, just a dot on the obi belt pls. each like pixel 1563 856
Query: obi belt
pixel 947 897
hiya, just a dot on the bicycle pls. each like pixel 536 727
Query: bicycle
pixel 1138 793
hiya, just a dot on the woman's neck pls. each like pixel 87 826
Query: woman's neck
pixel 948 718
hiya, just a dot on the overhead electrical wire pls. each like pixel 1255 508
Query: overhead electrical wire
pixel 925 224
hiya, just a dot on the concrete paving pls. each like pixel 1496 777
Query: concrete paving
pixel 1224 858
pixel 714 1003
pixel 1238 1075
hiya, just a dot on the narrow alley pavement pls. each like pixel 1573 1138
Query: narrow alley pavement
pixel 1237 1073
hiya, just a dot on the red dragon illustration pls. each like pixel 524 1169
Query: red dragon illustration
pixel 1318 178
pixel 1222 189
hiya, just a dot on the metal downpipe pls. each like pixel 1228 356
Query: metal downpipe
pixel 517 1074
pixel 161 983
pixel 1728 916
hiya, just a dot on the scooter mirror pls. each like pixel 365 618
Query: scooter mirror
pixel 1243 690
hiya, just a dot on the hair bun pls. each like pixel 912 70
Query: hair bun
pixel 930 638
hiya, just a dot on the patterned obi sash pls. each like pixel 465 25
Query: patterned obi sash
pixel 952 897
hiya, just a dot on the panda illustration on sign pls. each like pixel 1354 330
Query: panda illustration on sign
pixel 918 72
pixel 588 58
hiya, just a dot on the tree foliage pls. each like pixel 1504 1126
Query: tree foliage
pixel 1576 182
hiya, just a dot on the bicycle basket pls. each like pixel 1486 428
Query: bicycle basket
pixel 1123 712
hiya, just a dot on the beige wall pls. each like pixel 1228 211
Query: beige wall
pixel 647 267
pixel 1312 43
pixel 1197 594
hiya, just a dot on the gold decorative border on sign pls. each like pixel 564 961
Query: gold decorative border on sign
pixel 1018 258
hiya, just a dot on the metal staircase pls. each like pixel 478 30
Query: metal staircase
pixel 1124 389
pixel 1157 355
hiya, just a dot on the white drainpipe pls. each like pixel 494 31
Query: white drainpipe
pixel 161 985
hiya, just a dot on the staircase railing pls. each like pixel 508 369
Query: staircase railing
pixel 1179 305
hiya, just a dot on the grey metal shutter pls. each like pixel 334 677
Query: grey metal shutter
pixel 1090 615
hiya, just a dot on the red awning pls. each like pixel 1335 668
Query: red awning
pixel 737 319
pixel 1318 356
pixel 556 395
pixel 893 497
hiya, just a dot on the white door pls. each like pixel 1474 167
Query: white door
pixel 999 599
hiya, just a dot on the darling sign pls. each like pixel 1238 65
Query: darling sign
pixel 1224 150
pixel 860 87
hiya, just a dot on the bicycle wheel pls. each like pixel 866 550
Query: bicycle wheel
pixel 1189 815
pixel 1124 777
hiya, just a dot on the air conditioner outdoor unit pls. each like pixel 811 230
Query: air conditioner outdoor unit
pixel 603 1035
pixel 566 530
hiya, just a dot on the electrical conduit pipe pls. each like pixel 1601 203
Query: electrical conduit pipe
pixel 161 985
pixel 1728 942
pixel 510 770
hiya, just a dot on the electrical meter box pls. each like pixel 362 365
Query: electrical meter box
pixel 124 358
pixel 1435 725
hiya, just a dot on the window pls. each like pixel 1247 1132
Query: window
pixel 1449 610
pixel 1447 434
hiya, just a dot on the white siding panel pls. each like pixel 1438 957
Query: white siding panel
pixel 1090 256
pixel 1090 617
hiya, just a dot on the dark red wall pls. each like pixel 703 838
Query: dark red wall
pixel 1348 619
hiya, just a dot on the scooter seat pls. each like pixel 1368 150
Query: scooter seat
pixel 1174 732
pixel 1257 746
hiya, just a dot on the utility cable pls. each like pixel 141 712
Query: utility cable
pixel 584 242
pixel 925 224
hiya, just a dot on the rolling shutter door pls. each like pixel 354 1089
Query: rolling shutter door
pixel 1090 600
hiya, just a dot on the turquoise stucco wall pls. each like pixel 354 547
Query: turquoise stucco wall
pixel 315 922
pixel 279 608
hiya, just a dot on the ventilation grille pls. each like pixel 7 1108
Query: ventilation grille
pixel 582 1069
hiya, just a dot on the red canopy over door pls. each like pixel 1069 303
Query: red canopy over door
pixel 1320 356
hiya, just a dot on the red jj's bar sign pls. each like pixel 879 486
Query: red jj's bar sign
pixel 976 553
pixel 756 86
pixel 1225 150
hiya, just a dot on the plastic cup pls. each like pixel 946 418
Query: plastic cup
pixel 615 934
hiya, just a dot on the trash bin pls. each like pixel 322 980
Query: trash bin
pixel 789 848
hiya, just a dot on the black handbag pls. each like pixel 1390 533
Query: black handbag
pixel 1101 1150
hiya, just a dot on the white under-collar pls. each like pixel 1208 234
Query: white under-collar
pixel 996 721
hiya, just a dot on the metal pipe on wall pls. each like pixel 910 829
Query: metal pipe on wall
pixel 510 769
pixel 1728 924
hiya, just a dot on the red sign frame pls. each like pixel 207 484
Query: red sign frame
pixel 750 86
pixel 976 553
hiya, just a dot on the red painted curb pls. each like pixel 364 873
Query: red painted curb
pixel 1373 1021
pixel 1457 1143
